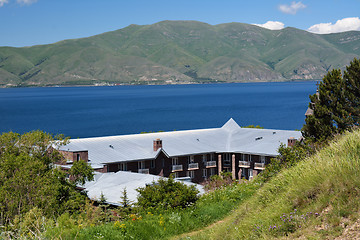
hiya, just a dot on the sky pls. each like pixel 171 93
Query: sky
pixel 34 22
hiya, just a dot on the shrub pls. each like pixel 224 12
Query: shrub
pixel 216 181
pixel 166 194
pixel 288 157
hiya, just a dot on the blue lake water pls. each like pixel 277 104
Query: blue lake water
pixel 103 111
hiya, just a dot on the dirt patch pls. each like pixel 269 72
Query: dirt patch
pixel 351 231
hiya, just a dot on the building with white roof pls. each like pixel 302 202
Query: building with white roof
pixel 197 154
pixel 112 186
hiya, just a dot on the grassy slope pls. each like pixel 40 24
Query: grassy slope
pixel 327 184
pixel 149 225
pixel 171 49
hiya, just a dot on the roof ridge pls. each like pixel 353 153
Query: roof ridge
pixel 231 125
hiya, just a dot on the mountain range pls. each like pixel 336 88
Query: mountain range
pixel 171 52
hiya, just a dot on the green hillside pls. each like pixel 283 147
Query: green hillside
pixel 180 52
pixel 316 199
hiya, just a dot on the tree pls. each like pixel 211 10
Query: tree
pixel 336 104
pixel 166 194
pixel 29 178
pixel 125 202
pixel 352 87
pixel 81 172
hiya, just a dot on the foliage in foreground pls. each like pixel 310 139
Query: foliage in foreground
pixel 93 223
pixel 29 180
pixel 316 196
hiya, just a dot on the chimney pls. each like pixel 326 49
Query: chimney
pixel 157 143
pixel 291 141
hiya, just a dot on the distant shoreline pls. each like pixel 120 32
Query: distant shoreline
pixel 160 84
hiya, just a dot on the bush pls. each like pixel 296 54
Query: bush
pixel 288 157
pixel 216 181
pixel 166 194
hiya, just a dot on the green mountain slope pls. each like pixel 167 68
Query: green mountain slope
pixel 316 199
pixel 180 52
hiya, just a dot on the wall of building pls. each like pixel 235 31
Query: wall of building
pixel 162 165
pixel 74 156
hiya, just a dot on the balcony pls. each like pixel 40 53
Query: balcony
pixel 210 164
pixel 176 168
pixel 193 166
pixel 244 164
pixel 143 171
pixel 259 166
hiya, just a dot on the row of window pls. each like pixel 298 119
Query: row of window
pixel 247 173
pixel 226 157
pixel 191 159
pixel 205 173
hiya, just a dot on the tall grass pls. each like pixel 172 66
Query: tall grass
pixel 313 198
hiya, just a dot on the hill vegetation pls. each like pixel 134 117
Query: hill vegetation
pixel 316 199
pixel 180 52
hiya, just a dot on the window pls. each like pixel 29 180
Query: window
pixel 212 157
pixel 227 158
pixel 141 165
pixel 175 161
pixel 191 159
pixel 250 173
pixel 204 157
pixel 191 174
pixel 243 172
pixel 212 171
pixel 122 167
pixel 77 157
pixel 262 159
pixel 152 163
pixel 204 173
pixel 245 157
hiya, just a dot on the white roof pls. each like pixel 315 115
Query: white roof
pixel 229 138
pixel 112 185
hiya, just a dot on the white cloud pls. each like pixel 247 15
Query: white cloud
pixel 272 25
pixel 26 2
pixel 2 2
pixel 22 2
pixel 342 25
pixel 293 8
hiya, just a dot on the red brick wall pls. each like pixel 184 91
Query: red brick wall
pixel 163 166
pixel 72 156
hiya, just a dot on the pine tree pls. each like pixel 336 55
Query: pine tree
pixel 125 202
pixel 352 84
pixel 336 105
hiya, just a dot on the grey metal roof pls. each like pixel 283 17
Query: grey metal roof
pixel 112 185
pixel 228 138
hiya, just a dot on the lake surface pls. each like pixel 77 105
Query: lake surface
pixel 103 111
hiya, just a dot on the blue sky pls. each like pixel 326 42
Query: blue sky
pixel 32 22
